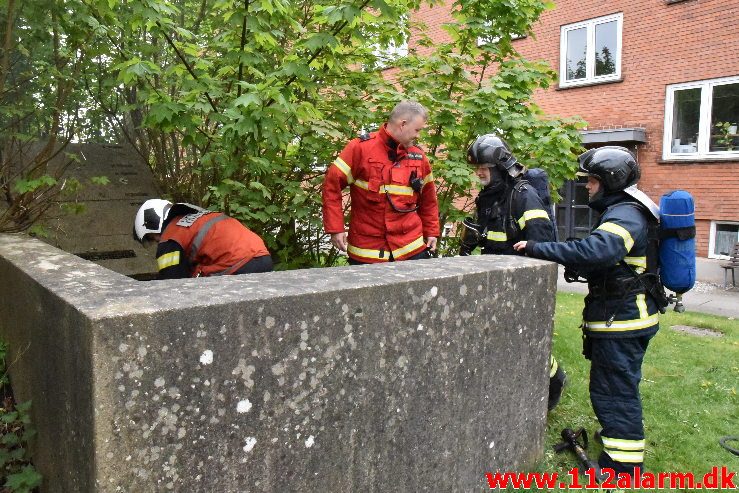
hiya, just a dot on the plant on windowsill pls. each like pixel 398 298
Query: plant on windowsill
pixel 726 133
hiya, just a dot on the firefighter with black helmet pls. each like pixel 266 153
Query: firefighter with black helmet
pixel 194 242
pixel 508 210
pixel 620 317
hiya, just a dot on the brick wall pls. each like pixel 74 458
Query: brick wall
pixel 662 45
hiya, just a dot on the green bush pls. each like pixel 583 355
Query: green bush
pixel 15 432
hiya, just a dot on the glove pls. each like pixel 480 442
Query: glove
pixel 571 275
pixel 471 236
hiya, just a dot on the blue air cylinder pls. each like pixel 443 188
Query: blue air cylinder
pixel 677 241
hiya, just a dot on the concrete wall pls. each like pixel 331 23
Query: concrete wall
pixel 102 232
pixel 402 377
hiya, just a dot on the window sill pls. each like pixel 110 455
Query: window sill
pixel 589 84
pixel 707 160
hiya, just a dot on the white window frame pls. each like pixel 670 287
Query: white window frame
pixel 704 123
pixel 712 239
pixel 590 77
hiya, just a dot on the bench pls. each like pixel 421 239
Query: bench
pixel 732 265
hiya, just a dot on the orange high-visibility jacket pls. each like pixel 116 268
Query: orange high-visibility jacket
pixel 214 243
pixel 377 227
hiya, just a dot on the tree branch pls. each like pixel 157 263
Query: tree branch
pixel 187 65
pixel 241 50
pixel 318 51
pixel 7 44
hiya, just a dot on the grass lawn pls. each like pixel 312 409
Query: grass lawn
pixel 689 391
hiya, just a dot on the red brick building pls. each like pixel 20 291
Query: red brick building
pixel 658 76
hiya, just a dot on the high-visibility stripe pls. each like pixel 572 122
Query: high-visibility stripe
pixel 168 260
pixel 391 189
pixel 344 168
pixel 396 189
pixel 532 214
pixel 553 365
pixel 428 178
pixel 620 456
pixel 623 325
pixel 367 253
pixel 497 236
pixel 619 231
pixel 623 444
pixel 198 240
pixel 641 303
pixel 623 450
pixel 384 255
pixel 639 263
pixel 408 248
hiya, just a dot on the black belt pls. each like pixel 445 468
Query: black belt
pixel 615 288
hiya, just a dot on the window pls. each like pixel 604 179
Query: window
pixel 590 51
pixel 722 240
pixel 701 120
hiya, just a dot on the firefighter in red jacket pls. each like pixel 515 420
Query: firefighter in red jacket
pixel 194 242
pixel 394 212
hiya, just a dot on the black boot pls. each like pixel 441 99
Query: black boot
pixel 556 384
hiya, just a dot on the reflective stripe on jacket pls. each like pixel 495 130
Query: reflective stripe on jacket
pixel 620 234
pixel 376 229
pixel 532 221
pixel 213 243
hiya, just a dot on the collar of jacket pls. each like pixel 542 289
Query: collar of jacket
pixel 395 152
pixel 607 200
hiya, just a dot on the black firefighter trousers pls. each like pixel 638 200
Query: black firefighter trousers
pixel 615 372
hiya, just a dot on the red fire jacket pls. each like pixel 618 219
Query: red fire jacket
pixel 213 243
pixel 387 215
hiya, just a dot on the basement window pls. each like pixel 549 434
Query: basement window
pixel 724 235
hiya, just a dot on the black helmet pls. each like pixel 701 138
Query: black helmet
pixel 614 166
pixel 490 150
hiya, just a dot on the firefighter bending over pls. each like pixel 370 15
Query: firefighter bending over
pixel 194 242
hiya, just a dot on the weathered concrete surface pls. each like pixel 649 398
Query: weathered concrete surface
pixel 103 229
pixel 403 377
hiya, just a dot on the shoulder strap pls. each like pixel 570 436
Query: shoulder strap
pixel 198 240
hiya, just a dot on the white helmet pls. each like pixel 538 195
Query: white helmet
pixel 150 217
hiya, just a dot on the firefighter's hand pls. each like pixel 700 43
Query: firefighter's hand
pixel 431 243
pixel 339 241
pixel 520 246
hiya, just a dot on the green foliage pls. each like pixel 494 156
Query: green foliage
pixel 25 186
pixel 15 432
pixel 100 180
pixel 474 89
pixel 44 48
pixel 240 106
pixel 725 138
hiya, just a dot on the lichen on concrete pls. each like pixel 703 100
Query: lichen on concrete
pixel 397 377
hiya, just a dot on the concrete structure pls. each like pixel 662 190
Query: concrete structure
pixel 666 86
pixel 102 232
pixel 413 376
